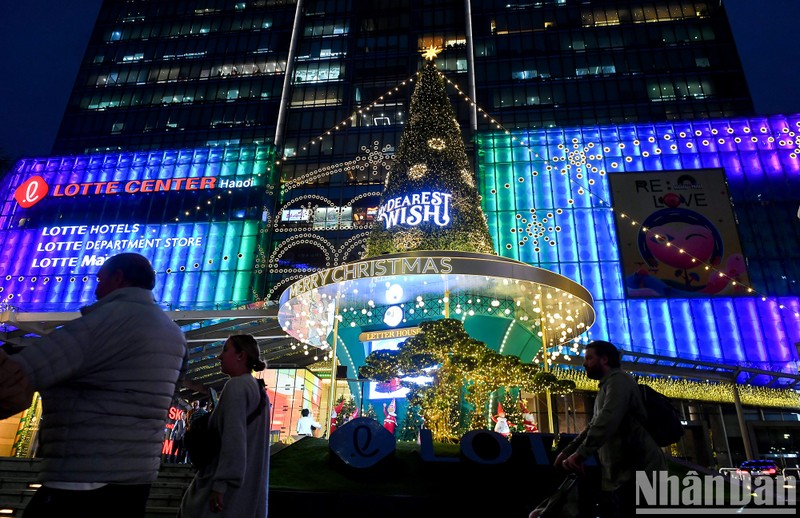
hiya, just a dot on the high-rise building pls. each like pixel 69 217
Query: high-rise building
pixel 329 83
pixel 554 98
pixel 201 73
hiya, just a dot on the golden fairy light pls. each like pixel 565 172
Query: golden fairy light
pixel 431 52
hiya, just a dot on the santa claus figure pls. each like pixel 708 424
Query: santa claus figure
pixel 334 415
pixel 527 420
pixel 390 416
pixel 502 426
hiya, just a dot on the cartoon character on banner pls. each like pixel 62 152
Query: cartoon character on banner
pixel 334 415
pixel 692 240
pixel 502 425
pixel 528 420
pixel 390 416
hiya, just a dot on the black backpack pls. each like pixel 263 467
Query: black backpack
pixel 203 443
pixel 663 420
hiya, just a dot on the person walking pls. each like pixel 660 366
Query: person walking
pixel 178 453
pixel 306 424
pixel 615 433
pixel 107 380
pixel 235 482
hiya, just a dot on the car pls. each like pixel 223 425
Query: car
pixel 758 468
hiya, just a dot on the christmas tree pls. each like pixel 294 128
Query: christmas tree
pixel 510 404
pixel 430 200
pixel 348 409
pixel 412 424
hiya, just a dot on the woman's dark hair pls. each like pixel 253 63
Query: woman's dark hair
pixel 247 344
pixel 136 269
pixel 304 412
pixel 607 349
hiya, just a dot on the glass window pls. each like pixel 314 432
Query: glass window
pixel 318 72
pixel 295 215
pixel 326 217
pixel 130 58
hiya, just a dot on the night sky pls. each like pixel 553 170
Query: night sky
pixel 43 43
pixel 44 40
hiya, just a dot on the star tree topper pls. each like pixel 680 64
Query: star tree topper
pixel 431 52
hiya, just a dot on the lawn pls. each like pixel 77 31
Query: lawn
pixel 307 473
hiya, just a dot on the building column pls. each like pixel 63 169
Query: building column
pixel 748 449
pixel 725 434
pixel 473 113
pixel 287 80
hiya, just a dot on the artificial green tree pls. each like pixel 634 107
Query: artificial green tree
pixel 411 424
pixel 431 158
pixel 465 374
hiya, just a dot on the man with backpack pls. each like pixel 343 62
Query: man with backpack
pixel 615 433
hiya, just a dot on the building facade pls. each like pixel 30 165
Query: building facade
pixel 329 83
pixel 554 99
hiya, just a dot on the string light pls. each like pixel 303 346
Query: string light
pixel 691 390
pixel 578 159
pixel 351 120
pixel 577 167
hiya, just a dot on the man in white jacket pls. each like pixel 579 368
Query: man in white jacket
pixel 106 380
pixel 305 423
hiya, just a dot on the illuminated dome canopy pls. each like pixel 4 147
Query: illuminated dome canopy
pixel 534 297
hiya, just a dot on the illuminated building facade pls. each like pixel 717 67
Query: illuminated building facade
pixel 198 215
pixel 193 74
pixel 579 87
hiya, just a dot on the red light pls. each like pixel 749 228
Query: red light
pixel 771 471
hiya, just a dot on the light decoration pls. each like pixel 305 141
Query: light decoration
pixel 394 293
pixel 393 316
pixel 374 159
pixel 468 178
pixel 430 139
pixel 416 209
pixel 406 240
pixel 697 390
pixel 436 143
pixel 462 369
pixel 574 166
pixel 349 121
pixel 434 281
pixel 417 171
pixel 205 257
pixel 431 52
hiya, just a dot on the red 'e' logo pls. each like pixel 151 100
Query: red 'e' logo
pixel 31 192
